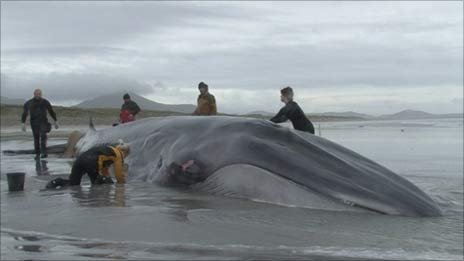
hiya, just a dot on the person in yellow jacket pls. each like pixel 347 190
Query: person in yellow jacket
pixel 95 162
pixel 206 103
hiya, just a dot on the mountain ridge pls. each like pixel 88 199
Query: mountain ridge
pixel 401 115
pixel 11 101
pixel 114 100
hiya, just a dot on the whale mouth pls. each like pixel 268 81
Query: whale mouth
pixel 261 185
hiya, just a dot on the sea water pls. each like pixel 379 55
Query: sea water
pixel 140 220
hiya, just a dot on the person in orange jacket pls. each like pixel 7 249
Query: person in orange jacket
pixel 206 103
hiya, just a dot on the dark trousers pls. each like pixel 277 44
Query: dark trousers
pixel 40 138
pixel 83 165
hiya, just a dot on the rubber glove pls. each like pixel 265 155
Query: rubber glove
pixel 23 128
pixel 56 125
pixel 103 180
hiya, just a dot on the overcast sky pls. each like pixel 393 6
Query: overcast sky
pixel 370 57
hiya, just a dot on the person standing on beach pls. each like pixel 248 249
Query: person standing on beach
pixel 128 110
pixel 37 108
pixel 206 103
pixel 292 111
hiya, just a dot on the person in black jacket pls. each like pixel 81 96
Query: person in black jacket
pixel 37 108
pixel 291 111
pixel 128 110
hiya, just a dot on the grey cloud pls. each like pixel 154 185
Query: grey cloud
pixel 307 65
pixel 112 46
pixel 64 51
pixel 458 100
pixel 70 86
pixel 401 27
pixel 303 66
pixel 90 23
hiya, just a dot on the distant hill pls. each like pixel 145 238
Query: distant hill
pixel 316 117
pixel 9 101
pixel 348 114
pixel 412 114
pixel 11 114
pixel 115 101
pixel 402 115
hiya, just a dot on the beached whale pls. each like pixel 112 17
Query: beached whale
pixel 258 159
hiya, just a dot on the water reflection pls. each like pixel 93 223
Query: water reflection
pixel 41 168
pixel 30 248
pixel 188 203
pixel 26 238
pixel 96 256
pixel 180 208
pixel 106 195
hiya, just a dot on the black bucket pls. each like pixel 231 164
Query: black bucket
pixel 16 181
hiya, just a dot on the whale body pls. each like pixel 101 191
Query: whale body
pixel 258 159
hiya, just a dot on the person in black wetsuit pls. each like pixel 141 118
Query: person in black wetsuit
pixel 37 108
pixel 95 162
pixel 291 111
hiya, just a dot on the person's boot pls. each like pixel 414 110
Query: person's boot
pixel 44 156
pixel 37 156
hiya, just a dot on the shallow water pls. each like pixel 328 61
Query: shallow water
pixel 144 221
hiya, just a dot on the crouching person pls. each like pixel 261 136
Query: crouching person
pixel 95 162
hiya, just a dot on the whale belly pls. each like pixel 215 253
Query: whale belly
pixel 257 184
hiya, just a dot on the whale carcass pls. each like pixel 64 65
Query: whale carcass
pixel 242 156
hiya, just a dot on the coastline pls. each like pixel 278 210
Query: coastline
pixel 11 115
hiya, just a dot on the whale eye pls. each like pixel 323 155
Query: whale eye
pixel 160 163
